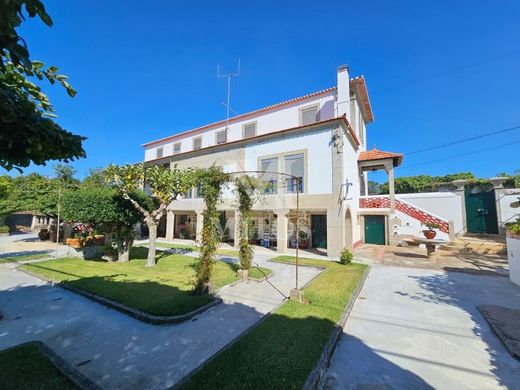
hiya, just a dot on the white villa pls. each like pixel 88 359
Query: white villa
pixel 320 138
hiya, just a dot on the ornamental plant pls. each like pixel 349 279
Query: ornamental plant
pixel 346 256
pixel 245 189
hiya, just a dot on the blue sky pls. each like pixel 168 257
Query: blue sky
pixel 146 69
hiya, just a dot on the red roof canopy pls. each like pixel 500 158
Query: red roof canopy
pixel 375 154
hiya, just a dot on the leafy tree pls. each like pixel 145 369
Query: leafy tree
pixel 95 178
pixel 28 134
pixel 374 188
pixel 106 206
pixel 211 181
pixel 164 184
pixel 426 183
pixel 513 180
pixel 245 188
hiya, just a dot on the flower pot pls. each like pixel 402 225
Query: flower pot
pixel 74 242
pixel 429 234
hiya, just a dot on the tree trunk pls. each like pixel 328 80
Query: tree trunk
pixel 152 238
pixel 120 246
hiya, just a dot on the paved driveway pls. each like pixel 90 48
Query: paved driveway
pixel 119 352
pixel 414 329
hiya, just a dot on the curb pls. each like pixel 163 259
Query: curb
pixel 62 366
pixel 317 374
pixel 135 313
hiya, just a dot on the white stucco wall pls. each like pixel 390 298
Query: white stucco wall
pixel 319 162
pixel 446 205
pixel 411 226
pixel 513 256
pixel 507 198
pixel 285 118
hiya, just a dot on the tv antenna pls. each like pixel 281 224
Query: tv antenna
pixel 229 76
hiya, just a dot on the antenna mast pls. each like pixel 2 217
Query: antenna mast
pixel 229 76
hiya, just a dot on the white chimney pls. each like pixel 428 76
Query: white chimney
pixel 343 92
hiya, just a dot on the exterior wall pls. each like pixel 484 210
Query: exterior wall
pixel 446 205
pixel 513 256
pixel 508 206
pixel 410 226
pixel 284 118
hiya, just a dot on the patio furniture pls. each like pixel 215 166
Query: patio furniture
pixel 431 245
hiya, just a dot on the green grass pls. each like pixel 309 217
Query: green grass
pixel 190 248
pixel 12 259
pixel 165 289
pixel 25 367
pixel 281 352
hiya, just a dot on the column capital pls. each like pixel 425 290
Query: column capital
pixel 459 184
pixel 281 212
pixel 498 182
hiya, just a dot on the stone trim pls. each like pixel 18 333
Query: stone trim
pixel 61 365
pixel 133 312
pixel 317 374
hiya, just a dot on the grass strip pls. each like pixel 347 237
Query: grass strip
pixel 194 248
pixel 283 349
pixel 26 367
pixel 18 258
pixel 164 290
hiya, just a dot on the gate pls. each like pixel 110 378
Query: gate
pixel 481 212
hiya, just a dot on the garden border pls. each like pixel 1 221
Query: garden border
pixel 61 365
pixel 135 313
pixel 317 374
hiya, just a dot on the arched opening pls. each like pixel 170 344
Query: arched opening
pixel 348 230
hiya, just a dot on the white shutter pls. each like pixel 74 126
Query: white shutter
pixel 197 143
pixel 250 130
pixel 159 152
pixel 309 115
pixel 222 137
pixel 294 165
pixel 270 178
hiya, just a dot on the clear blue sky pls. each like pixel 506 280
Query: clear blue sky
pixel 146 69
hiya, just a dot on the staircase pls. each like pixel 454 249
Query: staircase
pixel 477 245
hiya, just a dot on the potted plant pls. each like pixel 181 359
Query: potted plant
pixel 44 234
pixel 303 242
pixel 430 233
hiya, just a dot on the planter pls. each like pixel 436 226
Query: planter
pixel 513 257
pixel 243 274
pixel 74 242
pixel 429 234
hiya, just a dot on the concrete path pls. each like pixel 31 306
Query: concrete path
pixel 419 329
pixel 119 352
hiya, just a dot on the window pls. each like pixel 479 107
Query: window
pixel 188 194
pixel 177 148
pixel 270 178
pixel 250 130
pixel 221 137
pixel 294 165
pixel 159 152
pixel 199 191
pixel 309 115
pixel 197 143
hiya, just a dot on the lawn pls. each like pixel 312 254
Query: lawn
pixel 12 259
pixel 191 248
pixel 282 351
pixel 25 367
pixel 165 289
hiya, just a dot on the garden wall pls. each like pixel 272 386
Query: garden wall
pixel 508 206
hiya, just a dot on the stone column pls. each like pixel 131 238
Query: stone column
pixel 170 224
pixel 237 229
pixel 498 187
pixel 391 186
pixel 198 229
pixel 460 191
pixel 281 230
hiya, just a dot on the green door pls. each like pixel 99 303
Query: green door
pixel 319 231
pixel 375 229
pixel 481 212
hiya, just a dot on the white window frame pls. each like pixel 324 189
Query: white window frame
pixel 175 146
pixel 302 109
pixel 220 132
pixel 195 139
pixel 255 123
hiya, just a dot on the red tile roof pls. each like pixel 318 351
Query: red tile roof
pixel 375 154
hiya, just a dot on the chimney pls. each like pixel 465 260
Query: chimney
pixel 343 92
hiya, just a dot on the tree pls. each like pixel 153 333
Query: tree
pixel 106 206
pixel 164 184
pixel 211 180
pixel 28 134
pixel 374 188
pixel 245 188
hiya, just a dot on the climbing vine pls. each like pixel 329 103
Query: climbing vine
pixel 211 181
pixel 245 188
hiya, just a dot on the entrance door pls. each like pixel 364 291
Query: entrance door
pixel 481 212
pixel 375 229
pixel 319 231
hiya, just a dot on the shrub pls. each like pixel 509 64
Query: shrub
pixel 346 256
pixel 4 229
pixel 514 227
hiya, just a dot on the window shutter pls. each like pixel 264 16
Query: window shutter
pixel 309 115
pixel 197 143
pixel 250 130
pixel 177 148
pixel 222 137
pixel 270 179
pixel 159 152
pixel 294 165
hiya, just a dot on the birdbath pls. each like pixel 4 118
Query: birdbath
pixel 431 245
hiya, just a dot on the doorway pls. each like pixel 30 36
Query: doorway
pixel 375 229
pixel 319 231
